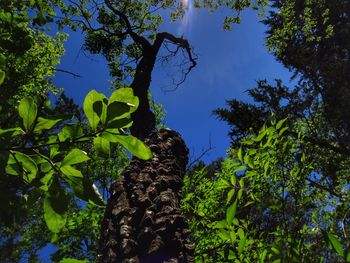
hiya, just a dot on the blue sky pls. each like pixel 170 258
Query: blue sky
pixel 229 62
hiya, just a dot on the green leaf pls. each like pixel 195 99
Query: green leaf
pixel 55 207
pixel 52 140
pixel 119 123
pixel 22 165
pixel 224 235
pixel 117 110
pixel 100 107
pixel 70 132
pixel 241 245
pixel 231 212
pixel 219 224
pixel 2 77
pixel 280 123
pixel 70 171
pixel 260 136
pixel 239 154
pixel 46 123
pixel 102 146
pixel 348 257
pixel 239 193
pixel 233 180
pixel 230 195
pixel 231 254
pixel 282 131
pixel 240 233
pixel 72 260
pixel 45 166
pixel 125 95
pixel 85 189
pixel 262 256
pixel 91 98
pixel 131 143
pixel 335 244
pixel 200 213
pixel 27 110
pixel 7 134
pixel 223 184
pixel 247 161
pixel 75 156
pixel 241 182
pixel 46 181
pixel 275 251
pixel 240 168
pixel 233 236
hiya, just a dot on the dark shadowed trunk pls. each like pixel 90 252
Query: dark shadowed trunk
pixel 143 221
pixel 144 120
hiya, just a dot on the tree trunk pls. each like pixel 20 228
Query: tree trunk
pixel 143 222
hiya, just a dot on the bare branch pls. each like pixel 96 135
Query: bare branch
pixel 181 44
pixel 204 152
pixel 75 75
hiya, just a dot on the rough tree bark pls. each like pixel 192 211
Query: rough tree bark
pixel 143 222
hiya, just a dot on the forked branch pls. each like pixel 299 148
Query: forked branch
pixel 180 42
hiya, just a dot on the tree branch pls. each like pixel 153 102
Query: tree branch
pixel 204 152
pixel 322 187
pixel 68 72
pixel 183 43
pixel 136 37
pixel 324 144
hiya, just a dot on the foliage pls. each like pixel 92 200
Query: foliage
pixel 45 162
pixel 158 111
pixel 35 166
pixel 284 102
pixel 277 207
pixel 27 60
pixel 79 238
pixel 204 193
pixel 294 206
pixel 309 38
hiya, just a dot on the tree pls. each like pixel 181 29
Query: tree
pixel 307 37
pixel 142 219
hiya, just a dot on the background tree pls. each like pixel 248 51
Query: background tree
pixel 311 172
pixel 28 60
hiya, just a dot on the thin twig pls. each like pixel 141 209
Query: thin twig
pixel 75 75
pixel 204 152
